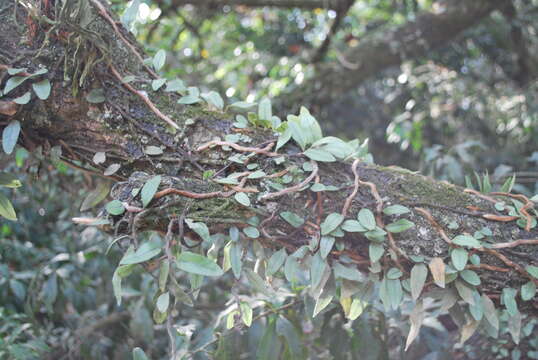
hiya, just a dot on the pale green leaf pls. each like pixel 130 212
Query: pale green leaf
pixel 10 135
pixel 242 198
pixel 149 189
pixel 331 222
pixel 367 219
pixel 115 207
pixel 42 89
pixel 198 264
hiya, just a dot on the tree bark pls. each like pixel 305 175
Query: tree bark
pixel 68 43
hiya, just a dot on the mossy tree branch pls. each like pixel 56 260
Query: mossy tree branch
pixel 123 126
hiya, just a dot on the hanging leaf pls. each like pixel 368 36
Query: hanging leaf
pixel 419 273
pixel 111 169
pixel 528 291
pixel 276 261
pixel 325 245
pixel 465 292
pixel 149 189
pixel 164 270
pixel 242 198
pixel 199 228
pixel 321 303
pixel 145 252
pixel 198 264
pixel 6 208
pixel 157 84
pixel 367 219
pixel 42 89
pixel 317 268
pixel 331 222
pixel 416 317
pixel 235 258
pixel 10 135
pixel 159 59
pixel 13 82
pixel 257 282
pixel 437 268
pixel 467 240
pixel 163 301
pixel 319 155
pixel 399 226
pixel 470 277
pixel 95 196
pixel 9 180
pixel 459 257
pixel 508 297
pixel 292 218
pixel 489 311
pixel 115 207
pixel 24 99
pixel 375 251
pixel 246 313
pixel 395 210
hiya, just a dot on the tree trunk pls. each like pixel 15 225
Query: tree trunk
pixel 83 49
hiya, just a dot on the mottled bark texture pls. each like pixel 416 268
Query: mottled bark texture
pixel 83 51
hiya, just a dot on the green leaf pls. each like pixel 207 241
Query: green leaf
pixel 149 189
pixel 331 222
pixel 296 132
pixel 353 226
pixel 129 17
pixel 393 273
pixel 465 292
pixel 251 232
pixel 283 138
pixel 326 245
pixel 213 98
pixel 158 61
pixel 508 297
pixel 419 273
pixel 242 198
pixel 145 252
pixel 276 261
pixel 528 291
pixel 347 272
pixel 156 84
pixel 394 293
pixel 256 174
pixel 176 85
pixel 200 228
pixel 467 240
pixel 264 109
pixel 319 155
pixel 163 301
pixel 96 96
pixel 42 89
pixel 246 313
pixel 257 282
pixel 18 289
pixel 198 264
pixel 13 82
pixel 399 226
pixel 138 353
pixel 153 150
pixel 459 258
pixel 242 105
pixel 321 303
pixel 9 180
pixel 24 99
pixel 489 311
pixel 164 271
pixel 317 268
pixel 10 135
pixel 533 270
pixel 375 251
pixel 235 258
pixel 508 184
pixel 367 219
pixel 115 207
pixel 15 71
pixel 395 210
pixel 189 100
pixel 470 276
pixel 292 218
pixel 310 126
pixel 286 330
pixel 95 197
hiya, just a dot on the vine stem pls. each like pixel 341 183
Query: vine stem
pixel 295 187
pixel 144 98
pixel 263 151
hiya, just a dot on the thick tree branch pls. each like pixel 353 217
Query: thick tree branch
pixel 124 125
